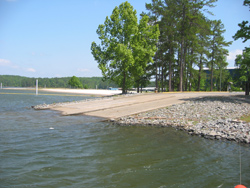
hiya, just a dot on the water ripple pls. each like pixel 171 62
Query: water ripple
pixel 83 152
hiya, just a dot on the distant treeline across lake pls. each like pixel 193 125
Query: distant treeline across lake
pixel 21 81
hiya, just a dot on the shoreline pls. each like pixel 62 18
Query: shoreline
pixel 208 117
pixel 101 92
pixel 98 92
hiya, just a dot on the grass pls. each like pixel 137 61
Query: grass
pixel 195 122
pixel 245 118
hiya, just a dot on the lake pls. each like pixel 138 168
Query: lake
pixel 45 149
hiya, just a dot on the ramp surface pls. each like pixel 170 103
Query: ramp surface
pixel 115 107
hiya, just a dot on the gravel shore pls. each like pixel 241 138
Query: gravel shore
pixel 209 117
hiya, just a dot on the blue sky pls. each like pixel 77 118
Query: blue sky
pixel 52 38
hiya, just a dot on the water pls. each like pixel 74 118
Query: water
pixel 44 149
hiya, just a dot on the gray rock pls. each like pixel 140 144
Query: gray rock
pixel 207 118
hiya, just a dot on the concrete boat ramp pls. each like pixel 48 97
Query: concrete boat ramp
pixel 119 106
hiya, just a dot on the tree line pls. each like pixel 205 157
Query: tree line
pixel 188 39
pixel 87 83
pixel 242 61
pixel 172 44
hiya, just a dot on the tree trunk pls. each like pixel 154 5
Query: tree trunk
pixel 173 82
pixel 156 75
pixel 212 65
pixel 124 90
pixel 159 80
pixel 181 64
pixel 162 78
pixel 190 84
pixel 199 76
pixel 247 86
pixel 211 76
pixel 170 78
pixel 170 71
pixel 190 69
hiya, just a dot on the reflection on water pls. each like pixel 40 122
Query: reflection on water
pixel 84 152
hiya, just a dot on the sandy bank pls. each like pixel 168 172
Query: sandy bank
pixel 85 91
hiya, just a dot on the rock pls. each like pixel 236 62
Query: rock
pixel 247 139
pixel 213 133
pixel 218 137
pixel 204 117
pixel 112 120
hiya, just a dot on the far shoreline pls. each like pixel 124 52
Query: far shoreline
pixel 98 92
pixel 102 92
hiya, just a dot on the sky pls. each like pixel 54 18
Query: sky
pixel 52 38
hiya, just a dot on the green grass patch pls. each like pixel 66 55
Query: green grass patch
pixel 245 118
pixel 195 122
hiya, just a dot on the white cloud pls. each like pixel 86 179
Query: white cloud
pixel 232 54
pixel 83 70
pixel 30 70
pixel 5 62
pixel 8 64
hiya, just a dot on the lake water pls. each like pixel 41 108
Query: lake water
pixel 44 149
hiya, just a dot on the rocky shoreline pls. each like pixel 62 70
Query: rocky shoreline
pixel 208 117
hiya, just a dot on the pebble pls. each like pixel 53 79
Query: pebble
pixel 209 117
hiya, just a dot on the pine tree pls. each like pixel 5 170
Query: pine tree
pixel 217 51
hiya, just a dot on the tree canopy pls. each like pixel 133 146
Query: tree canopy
pixel 187 40
pixel 244 31
pixel 75 82
pixel 20 81
pixel 243 61
pixel 126 46
pixel 179 37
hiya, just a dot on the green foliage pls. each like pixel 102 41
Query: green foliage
pixel 217 50
pixel 20 81
pixel 187 39
pixel 233 88
pixel 126 46
pixel 75 82
pixel 242 61
pixel 244 31
pixel 222 77
pixel 85 86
